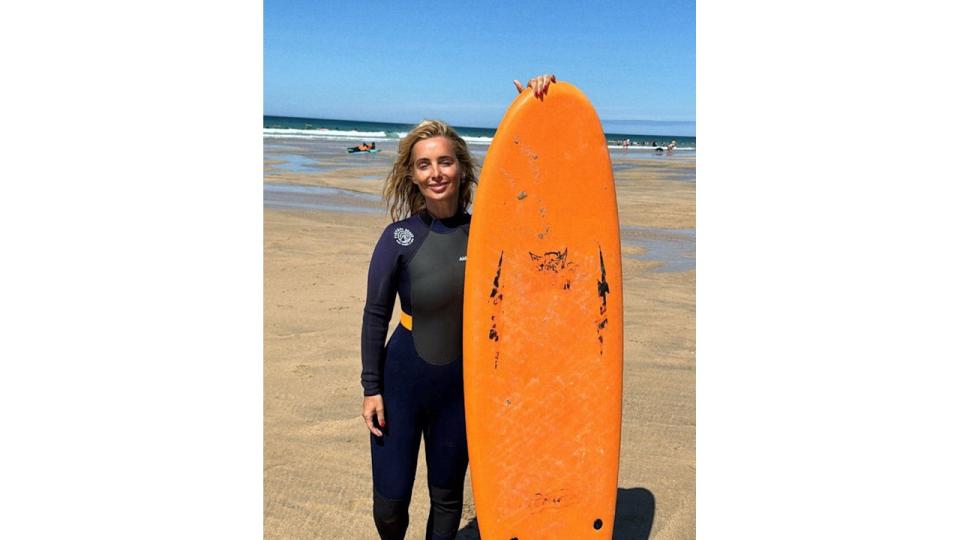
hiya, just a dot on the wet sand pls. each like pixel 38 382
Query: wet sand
pixel 321 220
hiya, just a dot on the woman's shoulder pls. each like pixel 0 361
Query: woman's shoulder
pixel 413 222
pixel 402 233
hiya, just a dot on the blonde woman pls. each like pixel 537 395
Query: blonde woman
pixel 413 387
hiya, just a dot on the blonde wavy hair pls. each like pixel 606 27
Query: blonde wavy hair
pixel 402 197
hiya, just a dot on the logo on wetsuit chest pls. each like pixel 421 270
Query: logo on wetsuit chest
pixel 463 259
pixel 403 236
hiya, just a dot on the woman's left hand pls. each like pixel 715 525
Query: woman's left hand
pixel 539 84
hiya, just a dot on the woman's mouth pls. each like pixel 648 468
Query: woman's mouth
pixel 438 188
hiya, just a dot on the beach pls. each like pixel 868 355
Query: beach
pixel 322 217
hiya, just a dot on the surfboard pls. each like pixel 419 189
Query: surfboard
pixel 543 325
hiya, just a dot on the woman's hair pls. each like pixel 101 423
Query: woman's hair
pixel 401 194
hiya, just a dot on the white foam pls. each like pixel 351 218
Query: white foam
pixel 321 133
pixel 468 139
pixel 647 148
pixel 478 140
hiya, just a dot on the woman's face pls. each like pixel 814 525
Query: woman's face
pixel 436 170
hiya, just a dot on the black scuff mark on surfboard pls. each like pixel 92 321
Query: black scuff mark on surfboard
pixel 496 296
pixel 603 289
pixel 556 265
pixel 553 261
pixel 496 278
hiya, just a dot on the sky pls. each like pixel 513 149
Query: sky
pixel 405 61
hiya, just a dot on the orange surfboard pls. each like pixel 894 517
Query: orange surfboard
pixel 543 325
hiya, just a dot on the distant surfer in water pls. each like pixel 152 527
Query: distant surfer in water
pixel 417 379
pixel 362 148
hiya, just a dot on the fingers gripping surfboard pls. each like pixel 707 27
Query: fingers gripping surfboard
pixel 543 325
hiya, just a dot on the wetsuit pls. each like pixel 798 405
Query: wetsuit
pixel 420 372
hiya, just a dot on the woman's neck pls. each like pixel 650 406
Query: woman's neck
pixel 441 210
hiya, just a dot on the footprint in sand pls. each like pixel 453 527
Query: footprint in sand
pixel 303 370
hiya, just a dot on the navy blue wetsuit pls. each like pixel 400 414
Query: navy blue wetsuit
pixel 420 372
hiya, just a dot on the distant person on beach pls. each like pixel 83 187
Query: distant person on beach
pixel 416 381
pixel 671 146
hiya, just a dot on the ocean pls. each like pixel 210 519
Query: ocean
pixel 285 127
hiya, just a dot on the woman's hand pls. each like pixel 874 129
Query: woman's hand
pixel 373 408
pixel 539 84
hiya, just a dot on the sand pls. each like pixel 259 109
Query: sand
pixel 317 245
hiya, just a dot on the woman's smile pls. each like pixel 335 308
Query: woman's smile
pixel 438 187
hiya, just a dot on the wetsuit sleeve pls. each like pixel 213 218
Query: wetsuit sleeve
pixel 381 295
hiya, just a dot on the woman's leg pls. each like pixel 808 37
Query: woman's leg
pixel 446 452
pixel 394 456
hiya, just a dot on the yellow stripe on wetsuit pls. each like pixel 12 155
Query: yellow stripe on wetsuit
pixel 406 320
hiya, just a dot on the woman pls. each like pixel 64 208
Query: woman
pixel 417 380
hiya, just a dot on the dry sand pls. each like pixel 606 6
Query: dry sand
pixel 317 480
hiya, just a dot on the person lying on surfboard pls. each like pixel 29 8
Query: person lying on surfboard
pixel 362 148
pixel 417 378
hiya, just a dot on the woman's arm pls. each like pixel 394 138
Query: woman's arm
pixel 381 295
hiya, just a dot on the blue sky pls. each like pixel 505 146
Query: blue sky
pixel 404 61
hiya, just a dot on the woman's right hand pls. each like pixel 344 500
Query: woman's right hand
pixel 539 84
pixel 373 408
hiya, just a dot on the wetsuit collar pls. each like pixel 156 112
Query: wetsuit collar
pixel 451 222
